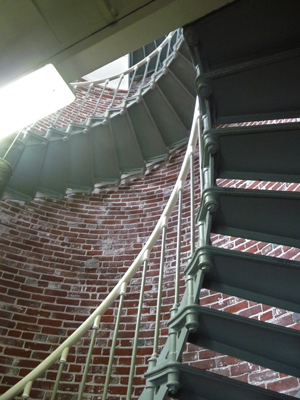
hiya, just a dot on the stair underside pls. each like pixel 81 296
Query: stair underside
pixel 248 153
pixel 262 279
pixel 109 148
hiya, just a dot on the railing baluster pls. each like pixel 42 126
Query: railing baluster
pixel 62 362
pixel 192 205
pixel 116 91
pixel 89 356
pixel 178 247
pixel 83 101
pixel 130 84
pixel 114 342
pixel 26 391
pixel 137 328
pixel 100 97
pixel 160 286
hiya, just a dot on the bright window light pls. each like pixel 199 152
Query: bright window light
pixel 31 98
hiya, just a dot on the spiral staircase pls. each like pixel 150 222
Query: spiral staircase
pixel 247 59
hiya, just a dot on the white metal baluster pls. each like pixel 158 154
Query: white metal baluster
pixel 89 356
pixel 131 82
pixel 146 71
pixel 100 97
pixel 26 391
pixel 178 248
pixel 137 328
pixel 192 205
pixel 83 101
pixel 62 362
pixel 114 342
pixel 160 286
pixel 116 91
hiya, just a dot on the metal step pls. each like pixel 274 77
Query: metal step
pixel 129 155
pixel 236 148
pixel 80 161
pixel 53 178
pixel 199 384
pixel 258 91
pixel 262 279
pixel 105 161
pixel 269 216
pixel 228 37
pixel 248 74
pixel 167 121
pixel 178 96
pixel 24 181
pixel 258 342
pixel 184 70
pixel 148 136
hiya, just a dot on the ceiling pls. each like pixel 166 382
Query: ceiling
pixel 79 36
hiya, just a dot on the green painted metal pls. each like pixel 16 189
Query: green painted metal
pixel 261 343
pixel 24 181
pixel 197 384
pixel 234 150
pixel 270 216
pixel 53 178
pixel 253 49
pixel 148 136
pixel 262 279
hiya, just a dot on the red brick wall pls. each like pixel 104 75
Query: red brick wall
pixel 59 259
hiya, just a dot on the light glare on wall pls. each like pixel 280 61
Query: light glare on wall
pixel 31 98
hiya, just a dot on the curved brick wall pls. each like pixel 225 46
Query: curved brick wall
pixel 60 258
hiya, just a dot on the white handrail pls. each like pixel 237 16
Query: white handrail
pixel 130 69
pixel 113 295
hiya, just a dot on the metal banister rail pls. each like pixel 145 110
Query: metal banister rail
pixel 86 91
pixel 133 67
pixel 119 291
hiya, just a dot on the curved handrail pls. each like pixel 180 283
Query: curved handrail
pixel 113 295
pixel 72 112
pixel 130 69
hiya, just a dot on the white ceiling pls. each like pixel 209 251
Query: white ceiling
pixel 79 36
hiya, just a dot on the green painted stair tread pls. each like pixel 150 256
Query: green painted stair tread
pixel 148 136
pixel 197 384
pixel 258 278
pixel 266 215
pixel 24 181
pixel 258 342
pixel 53 178
pixel 184 70
pixel 243 31
pixel 236 146
pixel 128 152
pixel 167 121
pixel 80 162
pixel 179 98
pixel 12 154
pixel 256 93
pixel 105 162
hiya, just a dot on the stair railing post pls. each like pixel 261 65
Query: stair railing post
pixel 26 391
pixel 83 101
pixel 116 91
pixel 100 97
pixel 159 294
pixel 62 361
pixel 192 201
pixel 114 341
pixel 89 356
pixel 178 250
pixel 137 328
